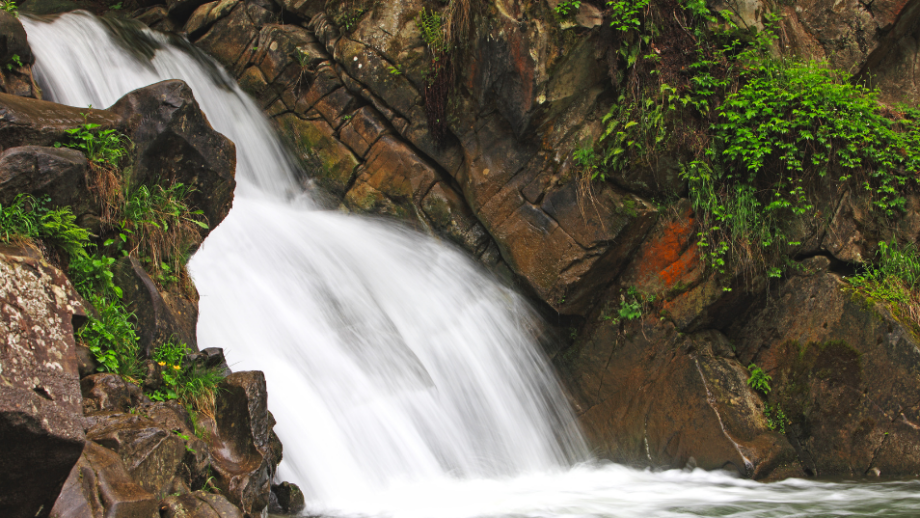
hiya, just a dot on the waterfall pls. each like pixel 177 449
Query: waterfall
pixel 405 381
pixel 389 356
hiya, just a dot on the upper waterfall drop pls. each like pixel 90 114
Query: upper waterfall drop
pixel 390 357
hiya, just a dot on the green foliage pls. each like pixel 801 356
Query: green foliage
pixel 171 353
pixel 791 119
pixel 17 219
pixel 431 28
pixel 626 14
pixel 896 275
pixel 566 8
pixel 635 129
pixel 111 337
pixel 759 380
pixel 159 229
pixel 10 7
pixel 99 146
pixel 776 417
pixel 633 305
pixel 15 61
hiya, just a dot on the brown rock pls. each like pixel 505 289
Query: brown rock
pixel 241 455
pixel 156 322
pixel 56 172
pixel 25 121
pixel 287 498
pixel 106 392
pixel 650 396
pixel 846 372
pixel 99 487
pixel 324 158
pixel 40 409
pixel 13 40
pixel 198 505
pixel 151 454
pixel 165 122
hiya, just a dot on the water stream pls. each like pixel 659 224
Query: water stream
pixel 405 381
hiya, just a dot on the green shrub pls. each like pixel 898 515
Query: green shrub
pixel 759 380
pixel 193 386
pixel 99 146
pixel 111 337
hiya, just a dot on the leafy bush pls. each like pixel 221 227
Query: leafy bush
pixel 759 380
pixel 111 337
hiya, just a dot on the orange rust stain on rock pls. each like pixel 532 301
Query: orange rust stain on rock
pixel 659 254
pixel 681 269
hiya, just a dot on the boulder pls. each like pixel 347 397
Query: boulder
pixel 59 173
pixel 152 455
pixel 198 505
pixel 40 412
pixel 165 122
pixel 846 372
pixel 99 487
pixel 242 459
pixel 156 322
pixel 287 498
pixel 13 40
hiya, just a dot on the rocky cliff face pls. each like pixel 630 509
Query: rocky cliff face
pixel 359 93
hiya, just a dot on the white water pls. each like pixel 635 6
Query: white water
pixel 405 382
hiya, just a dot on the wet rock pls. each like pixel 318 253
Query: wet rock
pixel 99 487
pixel 86 361
pixel 25 121
pixel 205 16
pixel 198 505
pixel 287 498
pixel 106 392
pixel 151 454
pixel 650 396
pixel 846 371
pixel 40 408
pixel 210 358
pixel 165 122
pixel 59 173
pixel 180 9
pixel 322 156
pixel 241 455
pixel 231 38
pixel 152 15
pixel 13 40
pixel 156 323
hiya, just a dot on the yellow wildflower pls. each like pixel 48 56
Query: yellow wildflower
pixel 161 364
pixel 176 367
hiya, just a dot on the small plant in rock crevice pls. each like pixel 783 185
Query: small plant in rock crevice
pixel 15 62
pixel 10 7
pixel 633 305
pixel 759 380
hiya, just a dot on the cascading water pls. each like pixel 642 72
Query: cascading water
pixel 405 382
